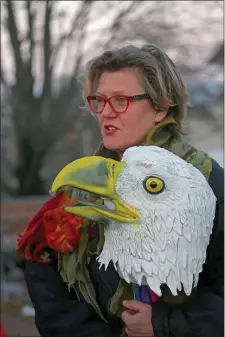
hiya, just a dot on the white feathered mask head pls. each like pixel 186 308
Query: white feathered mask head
pixel 158 212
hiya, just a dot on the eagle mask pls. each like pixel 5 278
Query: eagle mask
pixel 157 210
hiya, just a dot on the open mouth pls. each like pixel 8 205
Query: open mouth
pixel 109 130
pixel 90 182
pixel 110 127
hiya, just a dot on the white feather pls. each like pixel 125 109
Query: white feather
pixel 170 244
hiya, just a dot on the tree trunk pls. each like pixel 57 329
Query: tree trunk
pixel 28 170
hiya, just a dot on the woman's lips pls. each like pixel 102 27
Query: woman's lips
pixel 109 130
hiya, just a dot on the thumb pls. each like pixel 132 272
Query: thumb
pixel 134 305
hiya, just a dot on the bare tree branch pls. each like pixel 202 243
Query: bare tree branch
pixel 3 79
pixel 80 37
pixel 75 24
pixel 47 49
pixel 81 34
pixel 118 22
pixel 13 33
pixel 30 33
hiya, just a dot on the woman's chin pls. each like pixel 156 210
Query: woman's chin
pixel 112 145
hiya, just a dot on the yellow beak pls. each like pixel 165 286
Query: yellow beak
pixel 96 175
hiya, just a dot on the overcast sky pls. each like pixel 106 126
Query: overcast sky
pixel 200 24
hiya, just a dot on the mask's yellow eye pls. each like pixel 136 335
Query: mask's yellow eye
pixel 153 185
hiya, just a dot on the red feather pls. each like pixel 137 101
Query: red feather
pixel 2 330
pixel 51 227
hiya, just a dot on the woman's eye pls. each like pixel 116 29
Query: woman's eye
pixel 121 99
pixel 99 99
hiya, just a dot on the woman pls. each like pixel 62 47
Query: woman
pixel 138 98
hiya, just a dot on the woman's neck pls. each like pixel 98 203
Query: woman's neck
pixel 122 152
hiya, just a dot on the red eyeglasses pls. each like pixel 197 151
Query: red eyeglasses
pixel 118 103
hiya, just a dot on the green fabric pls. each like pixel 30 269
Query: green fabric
pixel 161 136
pixel 73 270
pixel 73 267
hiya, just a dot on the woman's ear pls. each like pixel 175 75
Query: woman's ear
pixel 160 115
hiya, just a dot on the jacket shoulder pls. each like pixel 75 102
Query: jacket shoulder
pixel 216 180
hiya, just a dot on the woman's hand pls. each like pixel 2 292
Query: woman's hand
pixel 138 324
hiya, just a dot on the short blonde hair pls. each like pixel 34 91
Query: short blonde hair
pixel 160 77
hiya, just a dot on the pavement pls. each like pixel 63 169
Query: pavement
pixel 16 327
pixel 15 302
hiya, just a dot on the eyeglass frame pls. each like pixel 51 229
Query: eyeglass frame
pixel 107 100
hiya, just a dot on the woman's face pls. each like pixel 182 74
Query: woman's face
pixel 130 128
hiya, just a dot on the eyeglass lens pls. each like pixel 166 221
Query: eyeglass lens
pixel 119 103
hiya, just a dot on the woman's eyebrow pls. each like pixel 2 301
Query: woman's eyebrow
pixel 115 92
pixel 98 93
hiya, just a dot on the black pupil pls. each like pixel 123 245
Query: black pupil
pixel 153 184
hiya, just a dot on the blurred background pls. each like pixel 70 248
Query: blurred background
pixel 45 46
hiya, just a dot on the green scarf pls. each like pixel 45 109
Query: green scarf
pixel 73 267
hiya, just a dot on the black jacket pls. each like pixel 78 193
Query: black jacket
pixel 60 314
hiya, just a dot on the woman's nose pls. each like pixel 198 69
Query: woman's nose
pixel 108 111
